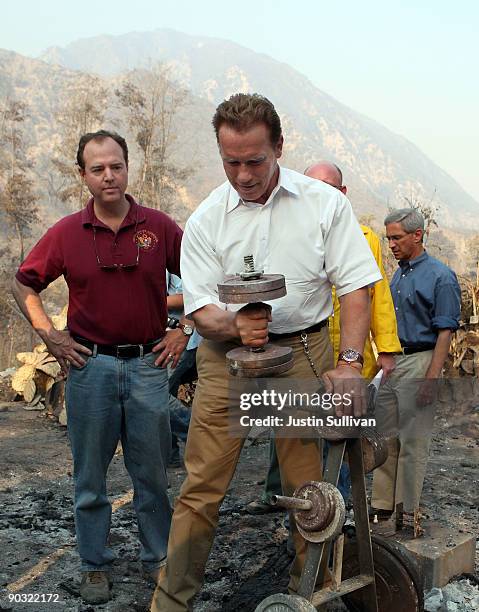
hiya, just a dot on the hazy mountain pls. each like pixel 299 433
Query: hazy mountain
pixel 45 88
pixel 380 167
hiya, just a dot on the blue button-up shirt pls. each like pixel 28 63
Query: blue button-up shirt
pixel 174 286
pixel 427 298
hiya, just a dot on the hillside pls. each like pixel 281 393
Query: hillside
pixel 380 167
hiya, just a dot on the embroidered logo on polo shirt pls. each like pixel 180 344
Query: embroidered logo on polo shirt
pixel 145 239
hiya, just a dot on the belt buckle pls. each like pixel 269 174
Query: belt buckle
pixel 119 348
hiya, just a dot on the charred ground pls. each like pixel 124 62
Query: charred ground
pixel 248 560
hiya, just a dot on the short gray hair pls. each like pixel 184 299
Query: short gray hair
pixel 410 219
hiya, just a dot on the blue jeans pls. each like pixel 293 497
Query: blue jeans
pixel 179 414
pixel 186 364
pixel 344 480
pixel 107 400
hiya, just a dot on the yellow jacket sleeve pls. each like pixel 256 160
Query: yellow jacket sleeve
pixel 383 318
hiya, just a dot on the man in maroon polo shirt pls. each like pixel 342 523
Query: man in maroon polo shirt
pixel 113 255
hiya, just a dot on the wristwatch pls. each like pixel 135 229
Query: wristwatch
pixel 186 329
pixel 351 356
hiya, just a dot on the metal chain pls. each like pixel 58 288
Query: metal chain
pixel 307 352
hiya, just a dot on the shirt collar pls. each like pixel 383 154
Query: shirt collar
pixel 88 214
pixel 410 263
pixel 284 182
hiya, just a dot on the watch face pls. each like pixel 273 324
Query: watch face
pixel 187 330
pixel 350 355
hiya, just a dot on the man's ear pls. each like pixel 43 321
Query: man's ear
pixel 343 189
pixel 419 235
pixel 279 147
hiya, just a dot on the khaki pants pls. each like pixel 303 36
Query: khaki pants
pixel 401 477
pixel 211 457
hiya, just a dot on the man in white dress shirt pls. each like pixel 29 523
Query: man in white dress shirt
pixel 295 226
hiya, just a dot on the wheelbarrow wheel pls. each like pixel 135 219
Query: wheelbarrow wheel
pixel 285 603
pixel 398 586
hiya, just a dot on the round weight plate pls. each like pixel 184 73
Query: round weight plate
pixel 336 524
pixel 322 512
pixel 240 372
pixel 236 290
pixel 397 581
pixel 375 449
pixel 285 603
pixel 272 355
pixel 267 282
pixel 252 298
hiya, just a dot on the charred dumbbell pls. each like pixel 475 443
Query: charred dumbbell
pixel 318 509
pixel 253 287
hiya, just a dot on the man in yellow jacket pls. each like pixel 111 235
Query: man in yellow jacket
pixel 383 318
pixel 383 334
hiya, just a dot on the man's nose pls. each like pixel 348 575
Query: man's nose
pixel 244 175
pixel 108 174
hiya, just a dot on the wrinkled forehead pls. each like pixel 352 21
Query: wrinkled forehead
pixel 244 144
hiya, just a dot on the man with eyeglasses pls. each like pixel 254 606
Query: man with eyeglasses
pixel 427 301
pixel 113 255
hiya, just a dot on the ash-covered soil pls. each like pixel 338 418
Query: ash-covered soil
pixel 248 561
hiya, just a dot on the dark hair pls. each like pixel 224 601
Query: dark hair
pixel 100 136
pixel 242 111
pixel 339 172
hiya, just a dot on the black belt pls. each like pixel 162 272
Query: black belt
pixel 309 330
pixel 120 351
pixel 417 348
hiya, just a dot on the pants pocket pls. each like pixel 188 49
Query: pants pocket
pixel 149 360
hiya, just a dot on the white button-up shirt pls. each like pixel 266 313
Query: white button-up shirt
pixel 306 231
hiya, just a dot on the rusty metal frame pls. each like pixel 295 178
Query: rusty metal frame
pixel 317 555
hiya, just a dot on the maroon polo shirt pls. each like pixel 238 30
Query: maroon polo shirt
pixel 109 306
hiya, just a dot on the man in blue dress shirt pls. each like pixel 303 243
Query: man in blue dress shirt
pixel 185 369
pixel 427 301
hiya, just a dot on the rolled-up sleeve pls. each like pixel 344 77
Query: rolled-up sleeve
pixel 200 269
pixel 349 263
pixel 447 309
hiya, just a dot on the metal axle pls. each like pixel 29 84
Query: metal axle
pixel 291 503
